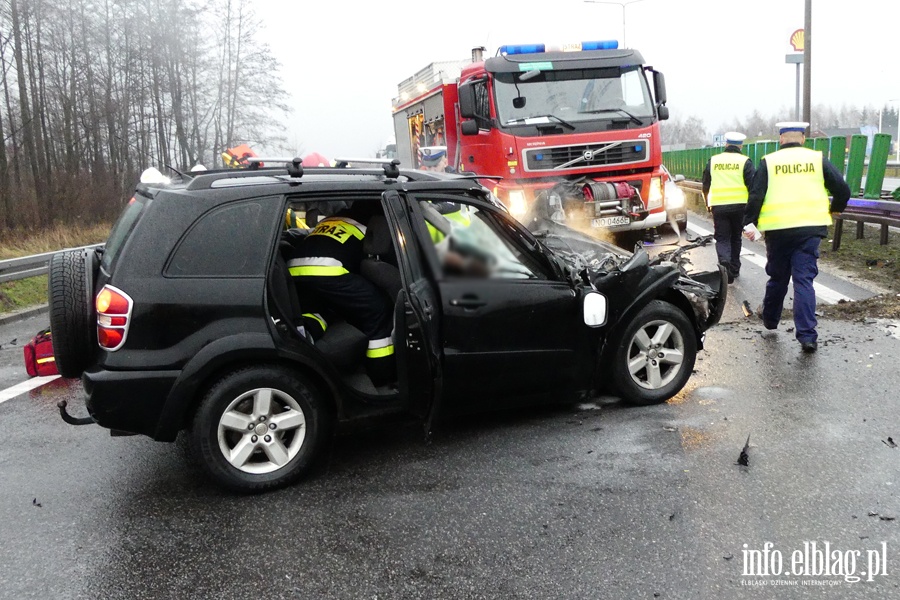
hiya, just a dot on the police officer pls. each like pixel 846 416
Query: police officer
pixel 726 180
pixel 433 158
pixel 789 202
pixel 325 267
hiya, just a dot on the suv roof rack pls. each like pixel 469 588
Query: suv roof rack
pixel 391 165
pixel 295 167
pixel 293 170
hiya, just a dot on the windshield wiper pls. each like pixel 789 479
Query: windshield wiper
pixel 554 117
pixel 631 117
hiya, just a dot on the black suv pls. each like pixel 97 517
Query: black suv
pixel 188 318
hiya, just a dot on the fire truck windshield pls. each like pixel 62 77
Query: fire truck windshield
pixel 573 96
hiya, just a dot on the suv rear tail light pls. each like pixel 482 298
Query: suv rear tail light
pixel 113 317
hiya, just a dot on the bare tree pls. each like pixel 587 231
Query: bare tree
pixel 93 91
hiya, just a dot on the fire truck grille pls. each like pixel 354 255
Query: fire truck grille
pixel 586 155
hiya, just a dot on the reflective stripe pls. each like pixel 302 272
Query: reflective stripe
pixel 380 348
pixel 318 318
pixel 316 265
pixel 380 352
pixel 796 195
pixel 727 186
pixel 318 271
pixel 41 361
pixel 319 261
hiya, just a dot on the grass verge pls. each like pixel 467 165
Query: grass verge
pixel 863 259
pixel 16 295
pixel 866 258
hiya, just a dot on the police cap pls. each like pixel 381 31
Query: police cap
pixel 432 155
pixel 734 138
pixel 786 126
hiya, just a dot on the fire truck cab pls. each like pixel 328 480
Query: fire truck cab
pixel 571 131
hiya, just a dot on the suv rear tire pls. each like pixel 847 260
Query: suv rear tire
pixel 72 321
pixel 259 428
pixel 657 355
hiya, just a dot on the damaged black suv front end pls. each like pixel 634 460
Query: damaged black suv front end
pixel 632 279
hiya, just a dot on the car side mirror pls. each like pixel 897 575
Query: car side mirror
pixel 595 309
pixel 678 178
pixel 662 112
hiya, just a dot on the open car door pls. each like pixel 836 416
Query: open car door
pixel 417 318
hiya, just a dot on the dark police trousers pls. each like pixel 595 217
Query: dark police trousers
pixel 792 257
pixel 727 220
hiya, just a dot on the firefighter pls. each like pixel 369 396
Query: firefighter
pixel 294 220
pixel 433 158
pixel 325 267
pixel 726 180
pixel 237 156
pixel 453 211
pixel 789 202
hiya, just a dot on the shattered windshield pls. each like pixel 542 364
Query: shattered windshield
pixel 572 96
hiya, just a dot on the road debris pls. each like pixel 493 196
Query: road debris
pixel 889 443
pixel 34 502
pixel 745 306
pixel 744 458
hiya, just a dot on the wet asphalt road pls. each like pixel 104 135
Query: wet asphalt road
pixel 592 501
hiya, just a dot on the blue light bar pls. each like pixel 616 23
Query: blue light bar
pixel 522 49
pixel 600 45
pixel 572 47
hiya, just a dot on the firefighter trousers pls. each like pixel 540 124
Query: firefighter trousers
pixel 361 304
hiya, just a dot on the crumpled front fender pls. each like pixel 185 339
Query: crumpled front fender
pixel 707 292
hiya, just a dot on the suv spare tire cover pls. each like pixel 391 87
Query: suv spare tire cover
pixel 72 320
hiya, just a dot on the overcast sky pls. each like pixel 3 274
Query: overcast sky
pixel 722 59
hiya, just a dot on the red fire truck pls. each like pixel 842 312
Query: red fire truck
pixel 573 131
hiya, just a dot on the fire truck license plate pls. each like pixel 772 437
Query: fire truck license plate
pixel 610 221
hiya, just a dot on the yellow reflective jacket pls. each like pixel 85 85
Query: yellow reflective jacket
pixel 796 194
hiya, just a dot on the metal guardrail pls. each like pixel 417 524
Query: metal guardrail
pixel 30 266
pixel 856 206
pixel 853 162
pixel 885 213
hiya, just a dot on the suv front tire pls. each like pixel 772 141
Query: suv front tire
pixel 657 355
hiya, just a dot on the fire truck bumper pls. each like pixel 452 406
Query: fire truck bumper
pixel 616 224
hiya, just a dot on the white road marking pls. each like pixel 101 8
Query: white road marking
pixel 823 293
pixel 26 386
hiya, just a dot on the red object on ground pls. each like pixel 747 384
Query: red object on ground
pixel 39 359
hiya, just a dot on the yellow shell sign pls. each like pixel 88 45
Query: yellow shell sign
pixel 797 40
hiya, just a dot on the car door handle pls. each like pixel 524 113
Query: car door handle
pixel 467 302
